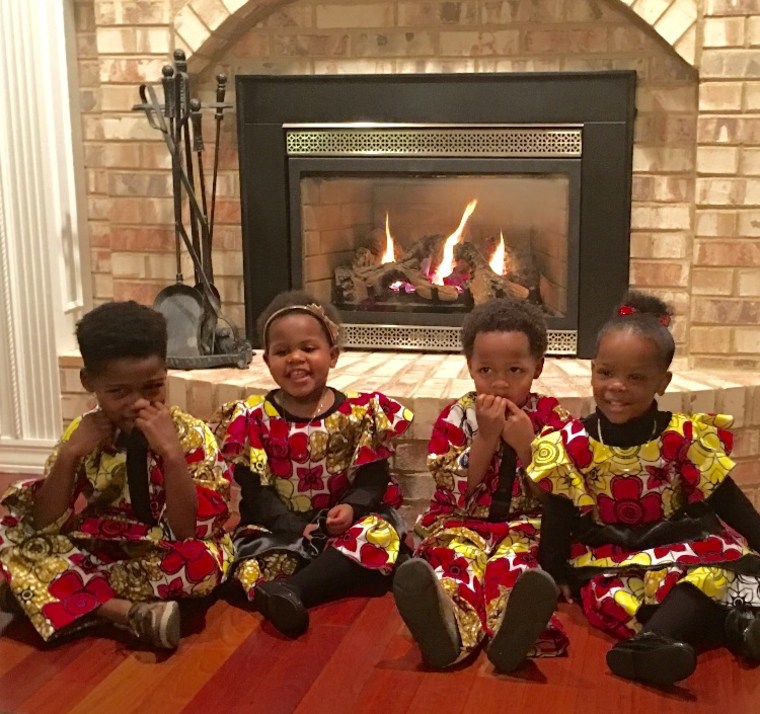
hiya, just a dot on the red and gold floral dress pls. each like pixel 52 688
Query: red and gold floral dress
pixel 292 471
pixel 98 549
pixel 643 522
pixel 476 558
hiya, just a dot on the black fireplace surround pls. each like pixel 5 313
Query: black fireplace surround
pixel 601 104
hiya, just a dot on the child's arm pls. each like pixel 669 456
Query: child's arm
pixel 262 506
pixel 733 507
pixel 518 431
pixel 490 414
pixel 56 494
pixel 557 521
pixel 365 495
pixel 155 422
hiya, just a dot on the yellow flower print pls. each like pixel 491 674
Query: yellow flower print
pixel 650 453
pixel 627 601
pixel 269 409
pixel 318 444
pixel 287 492
pixel 380 533
pixel 46 570
pixel 546 453
pixel 652 582
pixel 638 559
pixel 713 582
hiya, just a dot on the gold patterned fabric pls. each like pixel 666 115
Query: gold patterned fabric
pixel 637 488
pixel 98 549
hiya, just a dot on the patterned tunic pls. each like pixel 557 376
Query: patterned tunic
pixel 479 560
pixel 306 468
pixel 98 549
pixel 662 481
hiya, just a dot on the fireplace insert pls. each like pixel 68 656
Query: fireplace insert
pixel 407 200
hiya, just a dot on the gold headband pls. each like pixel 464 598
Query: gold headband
pixel 332 329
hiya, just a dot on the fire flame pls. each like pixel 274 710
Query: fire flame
pixel 390 255
pixel 447 263
pixel 497 259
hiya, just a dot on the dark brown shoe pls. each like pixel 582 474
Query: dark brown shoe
pixel 652 658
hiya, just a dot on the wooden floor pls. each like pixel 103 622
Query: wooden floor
pixel 357 657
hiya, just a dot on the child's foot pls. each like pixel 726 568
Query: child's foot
pixel 743 633
pixel 8 602
pixel 282 607
pixel 428 612
pixel 529 608
pixel 652 658
pixel 155 623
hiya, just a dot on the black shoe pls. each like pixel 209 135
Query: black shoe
pixel 529 608
pixel 652 658
pixel 428 613
pixel 282 607
pixel 743 633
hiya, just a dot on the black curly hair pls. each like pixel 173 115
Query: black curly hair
pixel 646 315
pixel 506 315
pixel 294 298
pixel 116 330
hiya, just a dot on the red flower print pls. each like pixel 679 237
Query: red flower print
pixel 545 415
pixel 657 477
pixel 711 545
pixel 113 529
pixel 298 447
pixel 234 438
pixel 372 556
pixel 366 455
pixel 453 565
pixel 393 496
pixel 499 574
pixel 727 439
pixel 310 479
pixel 84 562
pixel 192 556
pixel 579 450
pixel 665 550
pixel 627 505
pixel 667 584
pixel 360 400
pixel 673 446
pixel 389 406
pixel 690 474
pixel 75 599
pixel 172 591
pixel 347 541
pixel 445 435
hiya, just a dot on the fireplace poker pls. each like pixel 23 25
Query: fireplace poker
pixel 195 121
pixel 221 89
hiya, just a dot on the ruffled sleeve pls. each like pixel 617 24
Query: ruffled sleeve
pixel 239 431
pixel 380 421
pixel 207 468
pixel 19 498
pixel 449 454
pixel 707 462
pixel 559 458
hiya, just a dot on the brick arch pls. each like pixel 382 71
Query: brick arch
pixel 204 27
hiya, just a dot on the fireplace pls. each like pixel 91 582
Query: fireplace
pixel 407 200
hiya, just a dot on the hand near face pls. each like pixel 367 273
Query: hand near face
pixel 518 430
pixel 489 411
pixel 339 518
pixel 155 422
pixel 94 430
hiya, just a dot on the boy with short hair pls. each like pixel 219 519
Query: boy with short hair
pixel 154 488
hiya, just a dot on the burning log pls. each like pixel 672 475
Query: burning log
pixel 485 283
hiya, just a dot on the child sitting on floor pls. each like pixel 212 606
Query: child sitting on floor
pixel 635 496
pixel 475 574
pixel 153 485
pixel 318 518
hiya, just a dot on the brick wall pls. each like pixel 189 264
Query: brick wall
pixel 696 186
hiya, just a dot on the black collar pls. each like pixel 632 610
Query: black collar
pixel 635 432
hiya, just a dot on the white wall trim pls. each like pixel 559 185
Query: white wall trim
pixel 41 281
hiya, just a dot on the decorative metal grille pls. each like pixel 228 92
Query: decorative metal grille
pixel 435 141
pixel 434 339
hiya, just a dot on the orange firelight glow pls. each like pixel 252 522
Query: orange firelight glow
pixel 497 259
pixel 447 263
pixel 390 253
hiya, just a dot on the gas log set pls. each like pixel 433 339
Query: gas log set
pixel 452 272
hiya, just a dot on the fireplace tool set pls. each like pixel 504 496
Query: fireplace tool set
pixel 193 313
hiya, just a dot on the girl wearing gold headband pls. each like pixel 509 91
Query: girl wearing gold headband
pixel 318 503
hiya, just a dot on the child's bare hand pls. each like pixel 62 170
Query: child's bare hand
pixel 518 431
pixel 489 411
pixel 155 422
pixel 339 518
pixel 94 430
pixel 310 528
pixel 567 594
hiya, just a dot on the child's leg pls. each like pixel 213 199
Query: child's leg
pixel 329 576
pixel 663 652
pixel 520 602
pixel 441 601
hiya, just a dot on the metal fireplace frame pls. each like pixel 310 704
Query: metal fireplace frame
pixel 289 126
